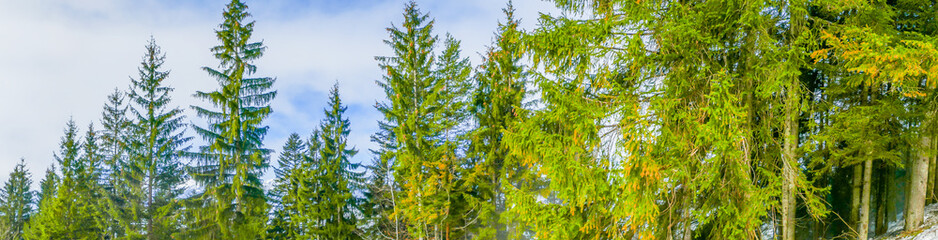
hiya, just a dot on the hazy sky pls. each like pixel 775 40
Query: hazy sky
pixel 61 58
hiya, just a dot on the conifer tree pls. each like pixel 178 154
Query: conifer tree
pixel 283 196
pixel 425 161
pixel 153 172
pixel 39 226
pixel 90 186
pixel 232 204
pixel 114 148
pixel 114 121
pixel 73 212
pixel 47 186
pixel 497 105
pixel 334 212
pixel 16 202
pixel 658 121
pixel 885 54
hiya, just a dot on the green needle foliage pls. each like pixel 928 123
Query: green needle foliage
pixel 16 202
pixel 419 134
pixel 73 211
pixel 233 204
pixel 114 148
pixel 284 195
pixel 408 79
pixel 328 206
pixel 497 106
pixel 617 119
pixel 658 120
pixel 152 172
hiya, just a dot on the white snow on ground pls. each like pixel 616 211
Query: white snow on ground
pixel 928 231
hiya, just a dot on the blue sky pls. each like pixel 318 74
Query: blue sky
pixel 60 59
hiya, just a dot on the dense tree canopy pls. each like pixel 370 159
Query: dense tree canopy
pixel 613 120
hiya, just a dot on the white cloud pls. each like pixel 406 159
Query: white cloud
pixel 62 58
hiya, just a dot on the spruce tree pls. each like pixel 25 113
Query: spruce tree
pixel 283 196
pixel 334 210
pixel 153 171
pixel 661 121
pixel 113 141
pixel 16 202
pixel 114 148
pixel 426 164
pixel 91 185
pixel 888 50
pixel 232 204
pixel 39 226
pixel 74 212
pixel 47 186
pixel 496 106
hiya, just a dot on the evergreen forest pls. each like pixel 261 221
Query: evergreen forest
pixel 617 119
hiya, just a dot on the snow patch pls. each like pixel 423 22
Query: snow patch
pixel 928 231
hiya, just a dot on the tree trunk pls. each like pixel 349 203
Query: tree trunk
pixel 789 164
pixel 881 224
pixel 918 172
pixel 934 161
pixel 788 194
pixel 891 195
pixel 864 229
pixel 930 186
pixel 857 186
pixel 688 232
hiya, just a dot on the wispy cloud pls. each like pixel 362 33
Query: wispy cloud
pixel 61 58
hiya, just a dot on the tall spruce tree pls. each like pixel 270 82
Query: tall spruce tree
pixel 425 161
pixel 497 106
pixel 455 96
pixel 16 202
pixel 334 180
pixel 232 204
pixel 114 148
pixel 113 141
pixel 658 121
pixel 283 196
pixel 91 185
pixel 153 171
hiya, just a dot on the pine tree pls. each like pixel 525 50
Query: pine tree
pixel 454 121
pixel 153 171
pixel 232 204
pixel 16 202
pixel 335 210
